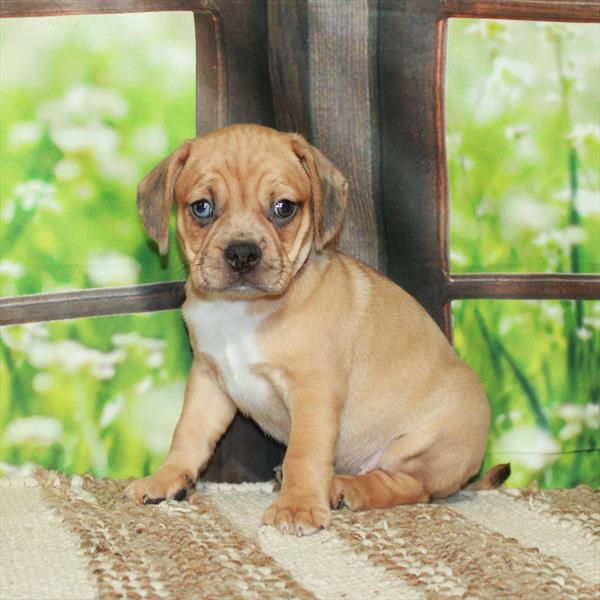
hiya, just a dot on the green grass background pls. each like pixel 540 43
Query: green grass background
pixel 90 104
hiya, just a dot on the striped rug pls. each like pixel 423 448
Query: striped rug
pixel 76 538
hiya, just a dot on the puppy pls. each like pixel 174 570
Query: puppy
pixel 325 354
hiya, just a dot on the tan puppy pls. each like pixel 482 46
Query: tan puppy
pixel 325 354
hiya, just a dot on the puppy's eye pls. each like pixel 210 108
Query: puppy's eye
pixel 283 211
pixel 202 209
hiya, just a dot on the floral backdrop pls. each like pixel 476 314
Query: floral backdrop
pixel 523 136
pixel 90 104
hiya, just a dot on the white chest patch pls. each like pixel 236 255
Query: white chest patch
pixel 225 330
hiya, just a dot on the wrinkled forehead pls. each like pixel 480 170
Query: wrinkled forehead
pixel 242 161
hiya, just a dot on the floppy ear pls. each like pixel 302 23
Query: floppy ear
pixel 329 192
pixel 155 192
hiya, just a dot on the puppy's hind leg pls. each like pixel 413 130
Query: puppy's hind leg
pixel 376 489
pixel 402 475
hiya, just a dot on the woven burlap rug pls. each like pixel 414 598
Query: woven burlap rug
pixel 74 539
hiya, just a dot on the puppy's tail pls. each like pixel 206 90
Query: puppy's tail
pixel 492 479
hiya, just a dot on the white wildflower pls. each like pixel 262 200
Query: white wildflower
pixel 570 431
pixel 111 409
pixel 8 211
pixel 155 360
pixel 143 386
pixel 135 340
pixel 67 169
pixel 36 194
pixel 85 101
pixel 572 413
pixel 592 322
pixel 572 74
pixel 563 195
pixel 563 239
pixel 71 357
pixel 41 355
pixel 551 311
pixel 489 29
pixel 588 202
pixel 96 138
pixel 457 258
pixel 553 98
pixel 529 446
pixel 24 133
pixel 454 141
pixel 103 370
pixel 156 414
pixel 484 207
pixel 516 132
pixel 584 133
pixel 554 31
pixel 84 104
pixel 552 263
pixel 38 430
pixel 152 348
pixel 84 191
pixel 151 140
pixel 574 416
pixel 118 168
pixel 493 105
pixel 466 162
pixel 112 269
pixel 22 337
pixel 522 213
pixel 583 333
pixel 42 382
pixel 11 269
pixel 573 235
pixel 592 415
pixel 508 73
pixel 528 150
pixel 543 239
pixel 178 59
pixel 515 415
pixel 506 324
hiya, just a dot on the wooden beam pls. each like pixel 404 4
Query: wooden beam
pixel 323 75
pixel 234 86
pixel 170 295
pixel 582 11
pixel 48 8
pixel 211 72
pixel 91 303
pixel 523 287
pixel 411 60
pixel 245 61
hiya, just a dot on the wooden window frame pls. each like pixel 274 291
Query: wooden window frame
pixel 413 167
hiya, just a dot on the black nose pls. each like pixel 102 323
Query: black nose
pixel 243 256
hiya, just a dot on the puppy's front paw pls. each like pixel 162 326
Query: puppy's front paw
pixel 297 514
pixel 170 481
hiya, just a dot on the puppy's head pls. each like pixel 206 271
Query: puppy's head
pixel 252 203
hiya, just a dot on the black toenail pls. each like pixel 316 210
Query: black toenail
pixel 341 504
pixel 148 500
pixel 180 495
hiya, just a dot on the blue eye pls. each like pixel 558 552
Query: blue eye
pixel 202 209
pixel 283 210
